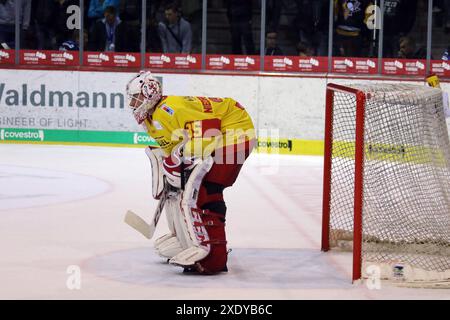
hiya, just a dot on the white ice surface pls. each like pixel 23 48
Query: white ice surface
pixel 64 205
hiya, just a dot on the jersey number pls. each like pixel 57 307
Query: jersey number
pixel 203 128
pixel 194 128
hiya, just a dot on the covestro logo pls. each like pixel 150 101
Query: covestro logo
pixel 142 138
pixel 22 135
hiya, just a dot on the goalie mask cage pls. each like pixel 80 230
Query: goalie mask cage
pixel 386 191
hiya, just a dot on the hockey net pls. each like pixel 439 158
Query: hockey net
pixel 387 182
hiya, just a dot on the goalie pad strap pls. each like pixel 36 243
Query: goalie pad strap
pixel 207 213
pixel 209 223
pixel 215 242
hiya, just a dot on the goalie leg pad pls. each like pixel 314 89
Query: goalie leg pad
pixel 178 221
pixel 170 245
pixel 210 256
pixel 162 239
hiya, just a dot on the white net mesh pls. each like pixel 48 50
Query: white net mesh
pixel 406 178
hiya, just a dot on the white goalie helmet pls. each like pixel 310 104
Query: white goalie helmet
pixel 143 93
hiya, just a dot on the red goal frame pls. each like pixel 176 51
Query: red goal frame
pixel 359 161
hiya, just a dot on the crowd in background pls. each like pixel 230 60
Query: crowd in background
pixel 175 26
pixel 109 25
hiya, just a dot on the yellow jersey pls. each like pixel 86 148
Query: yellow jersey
pixel 209 122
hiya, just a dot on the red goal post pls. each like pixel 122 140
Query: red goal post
pixel 360 98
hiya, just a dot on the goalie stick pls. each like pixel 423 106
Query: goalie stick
pixel 140 225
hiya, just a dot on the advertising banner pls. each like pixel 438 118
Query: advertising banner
pixel 233 62
pixel 64 100
pixel 6 56
pixel 440 67
pixel 404 67
pixel 49 57
pixel 112 59
pixel 76 136
pixel 173 61
pixel 295 64
pixel 355 65
pixel 312 64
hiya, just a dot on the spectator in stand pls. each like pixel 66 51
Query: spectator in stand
pixel 304 50
pixel 272 48
pixel 399 18
pixel 109 33
pixel 349 21
pixel 311 23
pixel 72 44
pixel 97 8
pixel 7 21
pixel 175 32
pixel 42 24
pixel 446 54
pixel 153 41
pixel 409 50
pixel 131 15
pixel 321 25
pixel 158 8
pixel 131 11
pixel 193 12
pixel 69 45
pixel 239 14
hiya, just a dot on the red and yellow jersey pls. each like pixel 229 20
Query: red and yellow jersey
pixel 210 123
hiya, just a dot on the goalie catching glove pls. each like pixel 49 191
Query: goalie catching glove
pixel 175 166
pixel 170 167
